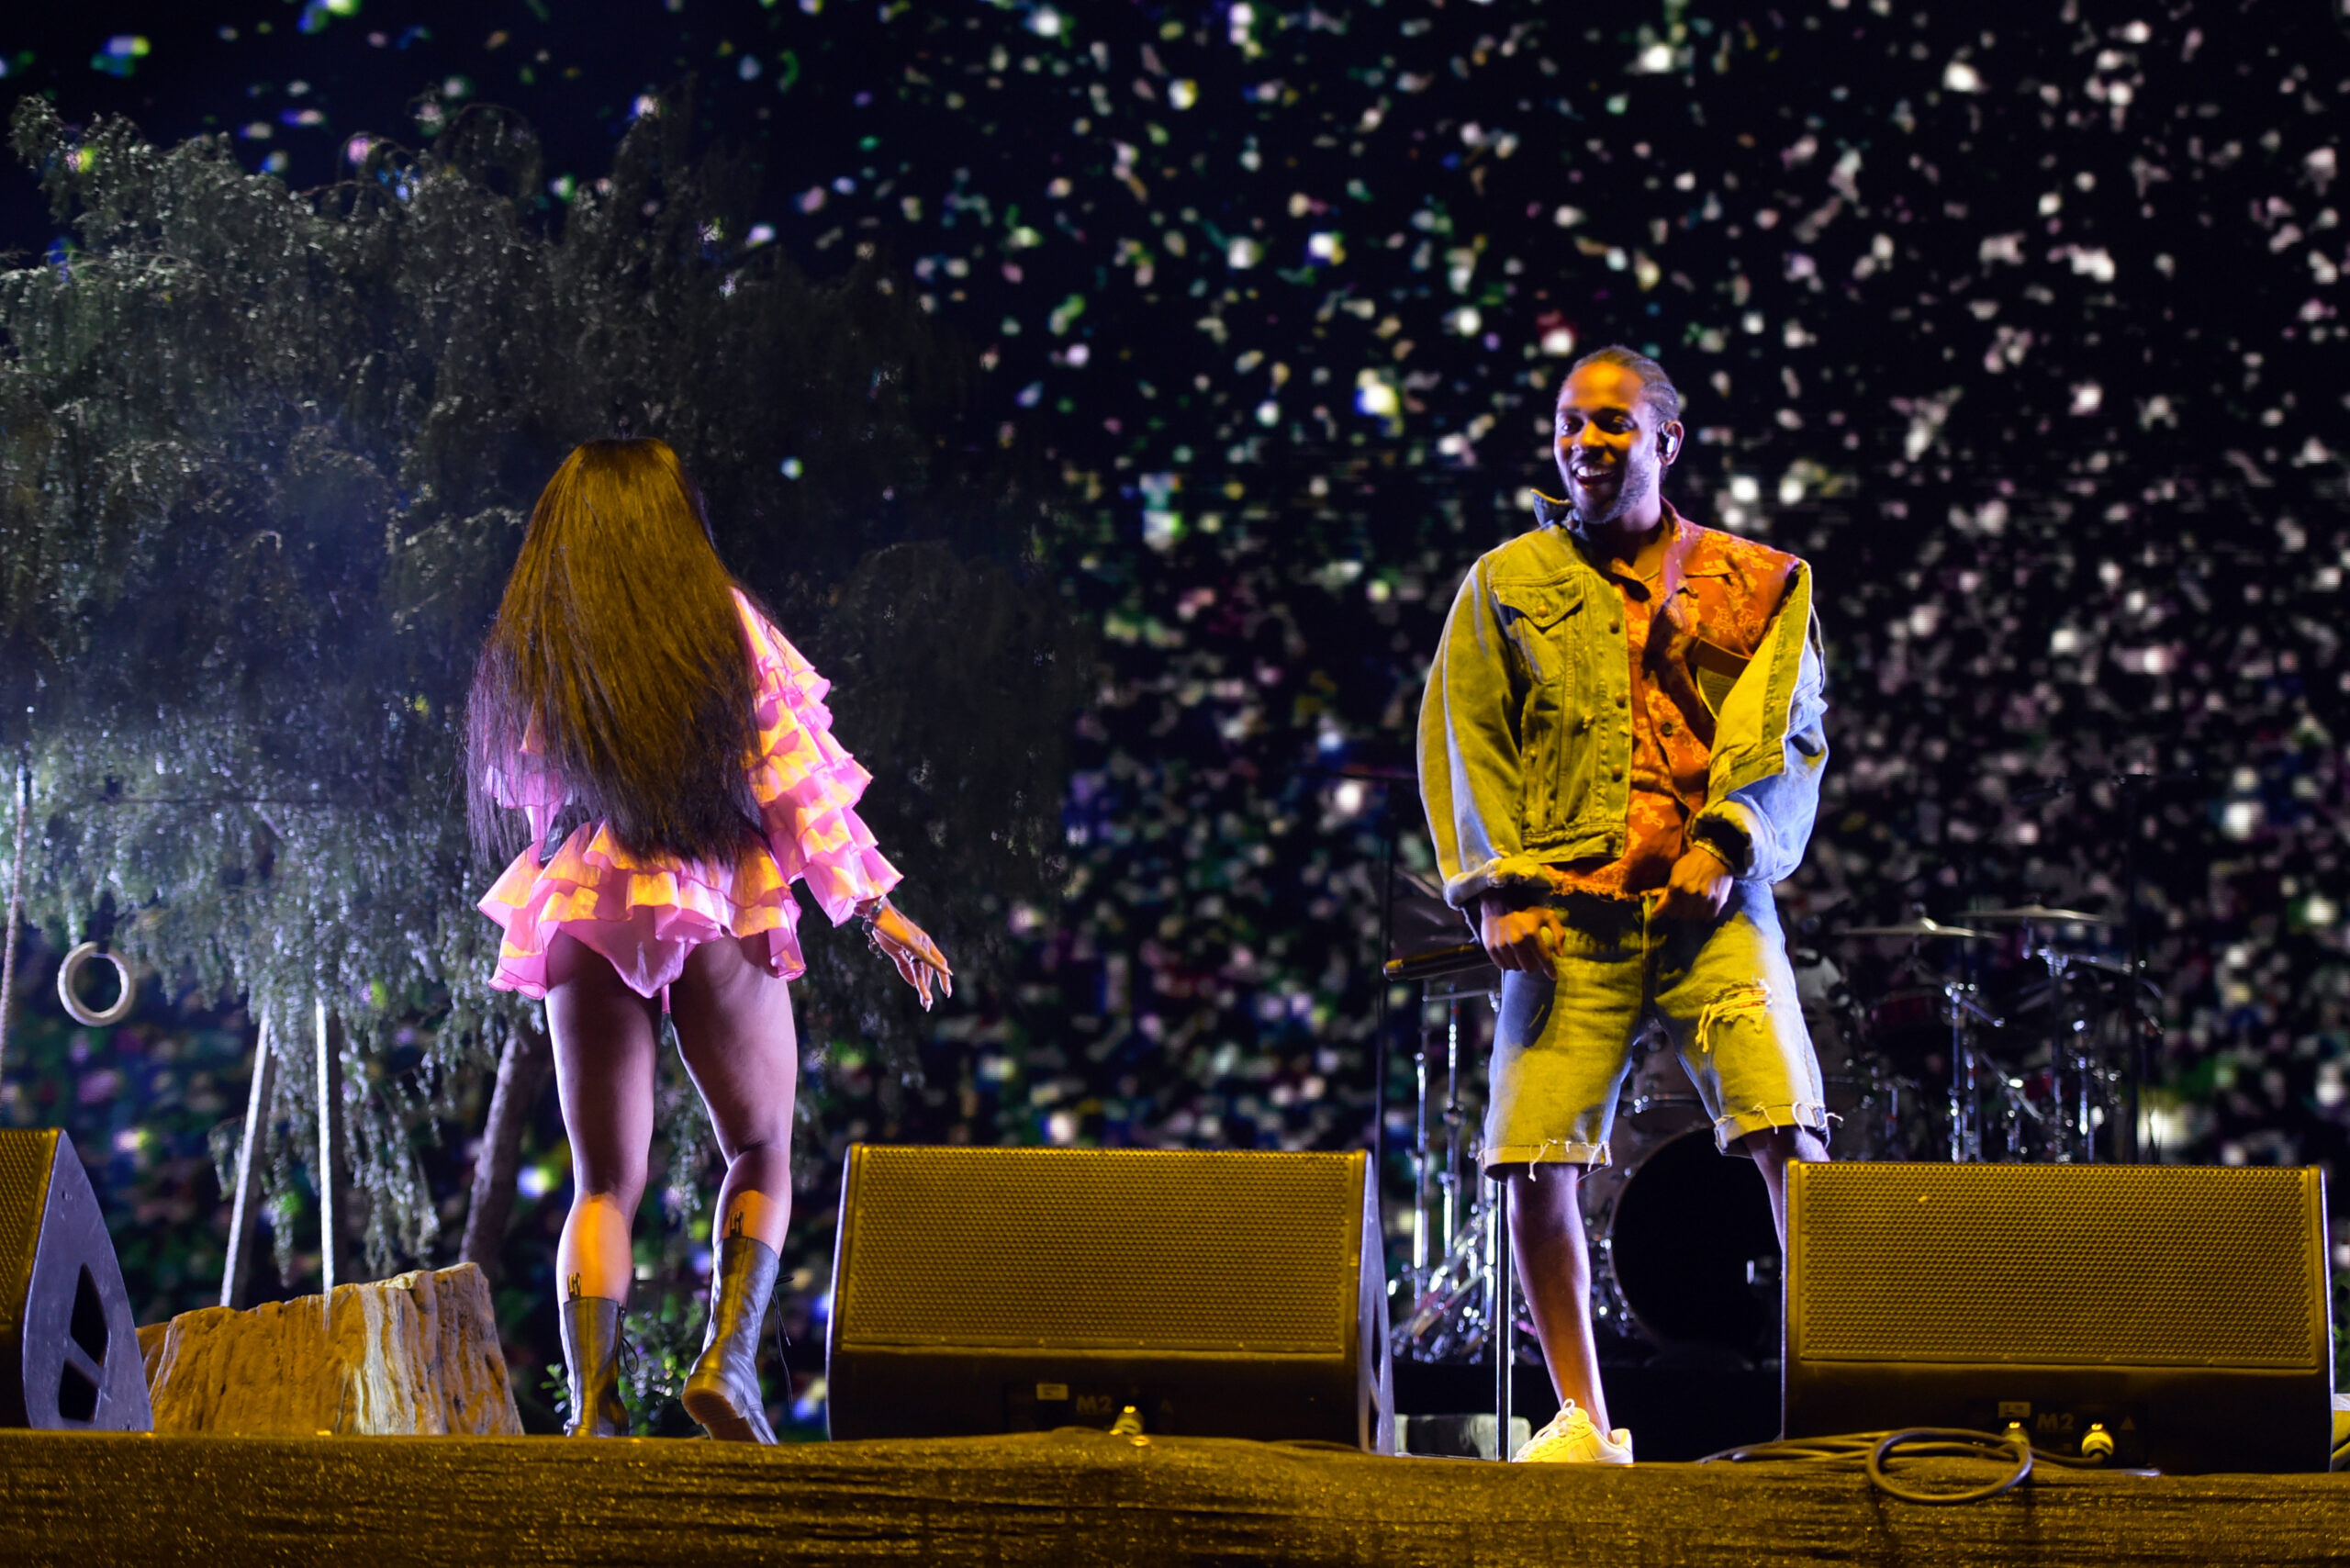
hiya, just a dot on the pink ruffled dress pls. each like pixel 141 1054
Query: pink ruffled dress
pixel 645 913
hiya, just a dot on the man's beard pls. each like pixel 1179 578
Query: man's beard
pixel 1632 490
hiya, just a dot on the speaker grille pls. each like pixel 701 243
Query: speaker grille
pixel 2101 1265
pixel 25 1160
pixel 1100 1249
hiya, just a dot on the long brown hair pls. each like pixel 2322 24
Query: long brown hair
pixel 617 648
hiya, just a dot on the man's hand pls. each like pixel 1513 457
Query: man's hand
pixel 1524 939
pixel 1699 888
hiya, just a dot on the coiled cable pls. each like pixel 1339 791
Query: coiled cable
pixel 1874 1451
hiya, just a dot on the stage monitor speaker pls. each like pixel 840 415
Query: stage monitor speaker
pixel 68 1346
pixel 2182 1313
pixel 1005 1289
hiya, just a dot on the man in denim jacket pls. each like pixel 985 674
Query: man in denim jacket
pixel 1621 750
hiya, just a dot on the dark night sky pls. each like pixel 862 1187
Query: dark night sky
pixel 2023 328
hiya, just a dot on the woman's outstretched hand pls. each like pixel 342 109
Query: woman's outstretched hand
pixel 919 961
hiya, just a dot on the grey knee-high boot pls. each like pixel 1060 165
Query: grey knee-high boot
pixel 591 1344
pixel 722 1391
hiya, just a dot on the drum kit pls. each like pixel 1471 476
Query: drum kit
pixel 2009 1034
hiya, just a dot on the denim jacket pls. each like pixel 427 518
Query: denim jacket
pixel 1526 733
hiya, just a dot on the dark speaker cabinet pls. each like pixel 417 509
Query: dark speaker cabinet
pixel 68 1346
pixel 2182 1310
pixel 1219 1293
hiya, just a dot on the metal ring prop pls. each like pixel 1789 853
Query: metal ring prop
pixel 69 975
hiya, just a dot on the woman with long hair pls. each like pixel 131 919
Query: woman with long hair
pixel 674 759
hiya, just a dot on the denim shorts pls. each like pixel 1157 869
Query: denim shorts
pixel 1723 994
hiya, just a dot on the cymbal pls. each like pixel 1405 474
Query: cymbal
pixel 2040 914
pixel 1919 929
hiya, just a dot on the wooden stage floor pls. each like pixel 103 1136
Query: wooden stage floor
pixel 1070 1500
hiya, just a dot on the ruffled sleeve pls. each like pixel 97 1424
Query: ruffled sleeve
pixel 806 784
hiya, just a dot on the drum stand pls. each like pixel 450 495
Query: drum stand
pixel 1455 1288
pixel 1446 1198
pixel 2072 1071
pixel 1965 1095
pixel 1463 1297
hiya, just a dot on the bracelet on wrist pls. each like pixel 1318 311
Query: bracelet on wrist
pixel 1722 841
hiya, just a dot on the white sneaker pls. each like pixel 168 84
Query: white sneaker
pixel 1571 1438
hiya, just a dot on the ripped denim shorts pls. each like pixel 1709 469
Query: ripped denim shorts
pixel 1723 994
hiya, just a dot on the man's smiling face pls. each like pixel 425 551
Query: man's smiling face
pixel 1612 453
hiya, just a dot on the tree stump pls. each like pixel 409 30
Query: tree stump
pixel 415 1354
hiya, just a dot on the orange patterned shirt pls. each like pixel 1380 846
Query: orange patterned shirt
pixel 1716 594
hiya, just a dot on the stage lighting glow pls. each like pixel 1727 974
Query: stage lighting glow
pixel 120 55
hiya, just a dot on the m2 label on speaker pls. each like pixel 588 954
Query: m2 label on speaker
pixel 2062 1428
pixel 1040 1404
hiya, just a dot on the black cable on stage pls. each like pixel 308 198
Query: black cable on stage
pixel 1874 1450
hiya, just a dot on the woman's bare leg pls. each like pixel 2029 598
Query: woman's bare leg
pixel 734 1029
pixel 606 1040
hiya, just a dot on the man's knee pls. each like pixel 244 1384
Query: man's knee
pixel 1543 1197
pixel 1776 1146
